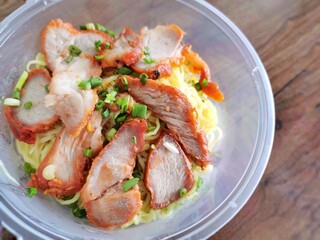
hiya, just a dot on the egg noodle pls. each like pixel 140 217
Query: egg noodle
pixel 181 78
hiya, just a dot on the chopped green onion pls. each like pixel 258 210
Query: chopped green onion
pixel 107 45
pixel 82 27
pixel 102 93
pixel 87 152
pixel 47 87
pixel 16 94
pixel 74 50
pixel 183 192
pixel 95 81
pixel 146 51
pixel 31 191
pixel 97 45
pixel 99 57
pixel 111 133
pixel 22 80
pixel 134 140
pixel 27 105
pixel 204 82
pixel 139 111
pixel 85 84
pixel 124 80
pixel 123 103
pixel 116 88
pixel 121 118
pixel 11 102
pixel 69 58
pixel 99 105
pixel 130 184
pixel 90 26
pixel 199 183
pixel 198 87
pixel 28 168
pixel 105 113
pixel 149 60
pixel 102 28
pixel 143 78
pixel 111 97
pixel 137 174
pixel 125 70
pixel 77 211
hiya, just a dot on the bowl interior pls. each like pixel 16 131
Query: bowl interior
pixel 240 114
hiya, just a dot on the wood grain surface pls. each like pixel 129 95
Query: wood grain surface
pixel 286 35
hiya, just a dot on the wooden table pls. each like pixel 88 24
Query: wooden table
pixel 286 35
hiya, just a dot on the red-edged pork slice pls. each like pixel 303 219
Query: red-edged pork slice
pixel 23 122
pixel 126 49
pixel 164 45
pixel 168 170
pixel 58 36
pixel 62 172
pixel 173 107
pixel 115 207
pixel 71 103
pixel 116 161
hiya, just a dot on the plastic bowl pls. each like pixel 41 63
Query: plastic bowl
pixel 246 116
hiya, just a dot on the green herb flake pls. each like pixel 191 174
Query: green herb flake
pixel 183 192
pixel 28 168
pixel 134 140
pixel 199 183
pixel 198 87
pixel 125 71
pixel 87 152
pixel 27 105
pixel 31 191
pixel 204 83
pixel 130 184
pixel 149 60
pixel 105 113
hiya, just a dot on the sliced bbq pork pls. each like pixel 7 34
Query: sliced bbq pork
pixel 115 207
pixel 73 104
pixel 25 121
pixel 173 107
pixel 62 172
pixel 126 49
pixel 168 171
pixel 103 194
pixel 162 46
pixel 58 36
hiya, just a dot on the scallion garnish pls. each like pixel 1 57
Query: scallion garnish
pixel 125 70
pixel 199 183
pixel 95 81
pixel 97 45
pixel 134 140
pixel 69 58
pixel 105 113
pixel 151 128
pixel 46 87
pixel 198 87
pixel 121 118
pixel 77 211
pixel 130 184
pixel 83 27
pixel 139 111
pixel 146 51
pixel 85 84
pixel 16 94
pixel 111 97
pixel 31 191
pixel 99 57
pixel 99 105
pixel 137 174
pixel 102 28
pixel 107 45
pixel 22 80
pixel 123 103
pixel 183 192
pixel 124 80
pixel 204 83
pixel 87 152
pixel 11 102
pixel 28 168
pixel 90 26
pixel 27 105
pixel 149 60
pixel 111 133
pixel 74 50
pixel 143 78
